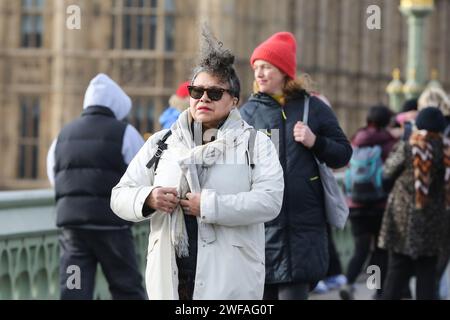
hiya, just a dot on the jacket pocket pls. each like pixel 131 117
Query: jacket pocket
pixel 315 184
pixel 249 252
pixel 248 269
pixel 152 244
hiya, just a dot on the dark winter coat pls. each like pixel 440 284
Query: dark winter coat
pixel 370 136
pixel 296 241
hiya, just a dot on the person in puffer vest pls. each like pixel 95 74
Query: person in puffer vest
pixel 83 164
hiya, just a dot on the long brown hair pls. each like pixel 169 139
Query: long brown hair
pixel 302 83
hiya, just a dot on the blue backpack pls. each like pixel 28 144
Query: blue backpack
pixel 364 177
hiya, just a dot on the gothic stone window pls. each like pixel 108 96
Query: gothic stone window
pixel 28 137
pixel 142 114
pixel 140 23
pixel 32 24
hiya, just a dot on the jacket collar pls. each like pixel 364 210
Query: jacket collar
pixel 272 102
pixel 265 99
pixel 98 110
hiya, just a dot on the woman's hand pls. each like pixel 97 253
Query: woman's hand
pixel 191 206
pixel 304 135
pixel 163 199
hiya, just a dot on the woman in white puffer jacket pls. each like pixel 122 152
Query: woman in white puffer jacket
pixel 215 185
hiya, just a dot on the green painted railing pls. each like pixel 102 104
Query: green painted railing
pixel 29 251
pixel 343 238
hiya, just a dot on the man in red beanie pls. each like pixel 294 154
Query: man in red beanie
pixel 177 104
pixel 296 241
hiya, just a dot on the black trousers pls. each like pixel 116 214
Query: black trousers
pixel 187 266
pixel 286 291
pixel 401 267
pixel 335 266
pixel 83 249
pixel 442 262
pixel 365 229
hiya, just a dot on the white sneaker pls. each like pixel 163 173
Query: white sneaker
pixel 335 282
pixel 321 288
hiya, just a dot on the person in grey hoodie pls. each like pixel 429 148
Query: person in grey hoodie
pixel 83 164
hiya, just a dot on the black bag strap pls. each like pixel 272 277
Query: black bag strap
pixel 251 147
pixel 162 146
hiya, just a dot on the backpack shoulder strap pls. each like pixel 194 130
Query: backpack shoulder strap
pixel 162 146
pixel 407 130
pixel 251 147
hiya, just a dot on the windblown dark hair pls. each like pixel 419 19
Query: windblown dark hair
pixel 304 83
pixel 217 61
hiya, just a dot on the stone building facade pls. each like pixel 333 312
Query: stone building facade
pixel 149 46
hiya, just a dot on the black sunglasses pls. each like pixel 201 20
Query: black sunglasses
pixel 214 93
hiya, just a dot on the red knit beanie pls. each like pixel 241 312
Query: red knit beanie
pixel 279 50
pixel 182 90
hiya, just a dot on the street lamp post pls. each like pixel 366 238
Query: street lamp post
pixel 395 91
pixel 415 12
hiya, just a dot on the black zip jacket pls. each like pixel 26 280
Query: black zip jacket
pixel 296 241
